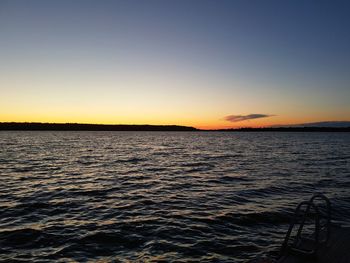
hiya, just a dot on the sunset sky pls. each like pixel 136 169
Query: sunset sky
pixel 207 64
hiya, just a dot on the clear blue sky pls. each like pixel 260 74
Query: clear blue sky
pixel 175 62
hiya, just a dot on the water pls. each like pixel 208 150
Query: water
pixel 161 196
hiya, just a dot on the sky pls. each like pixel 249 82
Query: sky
pixel 207 64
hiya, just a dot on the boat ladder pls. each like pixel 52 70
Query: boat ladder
pixel 308 237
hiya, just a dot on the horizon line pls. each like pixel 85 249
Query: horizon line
pixel 161 127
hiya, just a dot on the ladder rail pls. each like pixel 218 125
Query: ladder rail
pixel 328 215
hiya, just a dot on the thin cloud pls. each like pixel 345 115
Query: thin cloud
pixel 237 118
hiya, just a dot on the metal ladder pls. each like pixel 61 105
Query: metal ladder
pixel 307 246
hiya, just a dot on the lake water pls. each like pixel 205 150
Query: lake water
pixel 161 196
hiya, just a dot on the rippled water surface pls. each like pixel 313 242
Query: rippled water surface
pixel 161 196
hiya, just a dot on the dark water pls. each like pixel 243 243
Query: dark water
pixel 152 197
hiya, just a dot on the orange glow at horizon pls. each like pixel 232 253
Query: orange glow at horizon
pixel 197 122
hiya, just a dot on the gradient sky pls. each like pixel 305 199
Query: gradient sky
pixel 175 62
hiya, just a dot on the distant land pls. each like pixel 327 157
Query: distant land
pixel 324 124
pixel 289 129
pixel 37 126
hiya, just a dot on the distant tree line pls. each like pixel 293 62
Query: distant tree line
pixel 89 127
pixel 290 129
pixel 35 126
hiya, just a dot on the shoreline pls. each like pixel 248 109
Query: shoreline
pixel 37 126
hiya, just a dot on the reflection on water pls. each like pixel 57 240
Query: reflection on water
pixel 172 196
